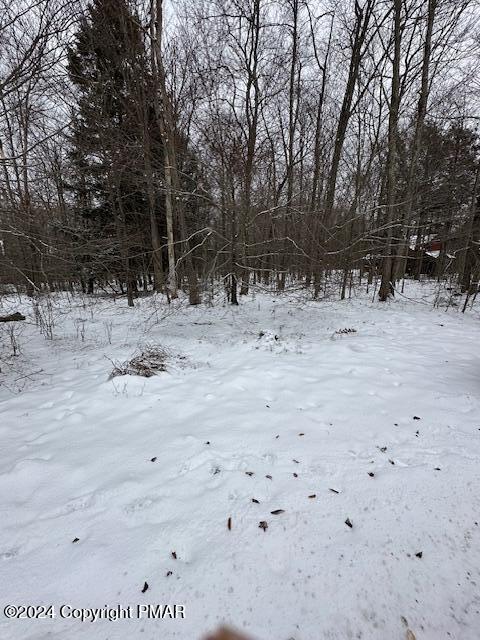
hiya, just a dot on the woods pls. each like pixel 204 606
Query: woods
pixel 239 318
pixel 238 143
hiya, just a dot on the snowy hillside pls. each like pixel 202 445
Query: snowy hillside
pixel 360 422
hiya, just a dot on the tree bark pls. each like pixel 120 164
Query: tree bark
pixel 386 285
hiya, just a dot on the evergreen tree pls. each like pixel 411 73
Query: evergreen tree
pixel 113 132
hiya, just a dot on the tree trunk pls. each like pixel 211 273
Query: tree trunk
pixel 386 286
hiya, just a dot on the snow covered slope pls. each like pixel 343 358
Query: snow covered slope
pixel 379 426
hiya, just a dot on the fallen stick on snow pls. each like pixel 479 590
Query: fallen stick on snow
pixel 27 375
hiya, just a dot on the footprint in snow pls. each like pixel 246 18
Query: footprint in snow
pixel 11 553
pixel 139 505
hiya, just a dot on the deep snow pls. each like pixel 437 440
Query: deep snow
pixel 268 388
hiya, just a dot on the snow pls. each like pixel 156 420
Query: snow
pixel 271 388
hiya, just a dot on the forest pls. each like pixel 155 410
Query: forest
pixel 238 143
pixel 239 319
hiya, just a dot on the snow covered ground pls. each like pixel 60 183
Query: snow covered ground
pixel 379 426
